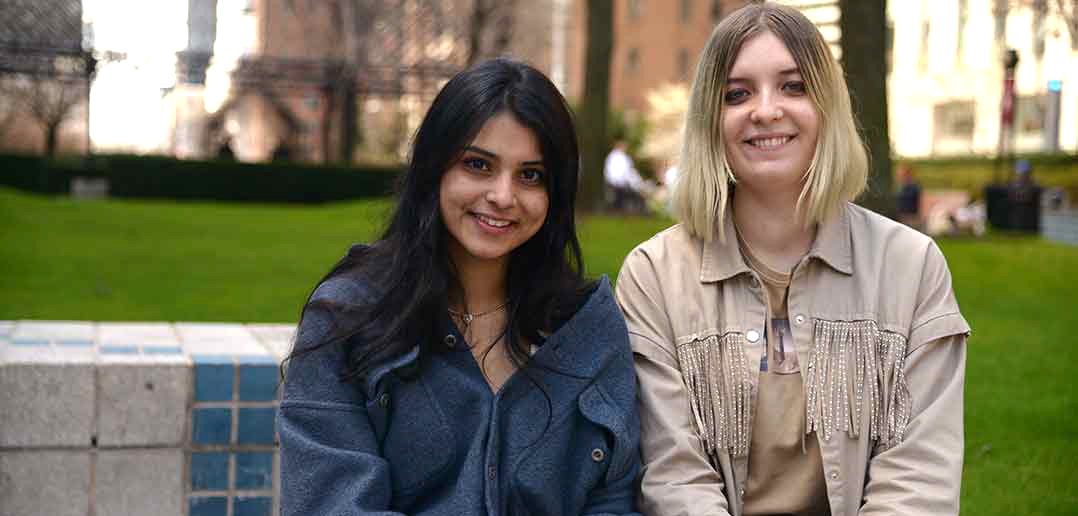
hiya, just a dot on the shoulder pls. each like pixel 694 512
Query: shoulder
pixel 350 283
pixel 596 335
pixel 671 244
pixel 890 248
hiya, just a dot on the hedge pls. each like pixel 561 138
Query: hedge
pixel 973 173
pixel 169 178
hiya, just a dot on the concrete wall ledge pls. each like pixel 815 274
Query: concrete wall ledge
pixel 102 418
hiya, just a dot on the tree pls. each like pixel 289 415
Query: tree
pixel 490 29
pixel 863 24
pixel 1068 11
pixel 50 101
pixel 595 105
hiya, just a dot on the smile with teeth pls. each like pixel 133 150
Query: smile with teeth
pixel 492 222
pixel 769 143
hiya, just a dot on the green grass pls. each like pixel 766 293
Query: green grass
pixel 127 260
pixel 136 260
pixel 1020 296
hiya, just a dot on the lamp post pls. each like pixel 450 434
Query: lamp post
pixel 1005 146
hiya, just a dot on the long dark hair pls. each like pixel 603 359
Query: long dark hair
pixel 409 266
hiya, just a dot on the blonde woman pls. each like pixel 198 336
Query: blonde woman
pixel 795 353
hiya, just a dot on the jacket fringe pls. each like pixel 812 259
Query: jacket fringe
pixel 849 362
pixel 720 392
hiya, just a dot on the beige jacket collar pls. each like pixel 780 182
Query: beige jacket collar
pixel 722 260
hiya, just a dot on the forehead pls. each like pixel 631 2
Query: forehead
pixel 504 135
pixel 762 53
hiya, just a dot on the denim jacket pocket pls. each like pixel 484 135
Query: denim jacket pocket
pixel 596 408
pixel 581 452
pixel 413 432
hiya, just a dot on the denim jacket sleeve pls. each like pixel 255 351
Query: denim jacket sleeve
pixel 330 463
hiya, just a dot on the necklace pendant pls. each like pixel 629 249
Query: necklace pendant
pixel 468 318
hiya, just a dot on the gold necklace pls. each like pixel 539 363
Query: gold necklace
pixel 468 317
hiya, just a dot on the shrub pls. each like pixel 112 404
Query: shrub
pixel 157 177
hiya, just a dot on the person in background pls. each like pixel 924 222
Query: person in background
pixel 623 180
pixel 796 353
pixel 908 199
pixel 462 364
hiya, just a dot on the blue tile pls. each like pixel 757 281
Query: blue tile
pixel 258 382
pixel 162 350
pixel 213 378
pixel 211 425
pixel 82 343
pixel 253 506
pixel 254 470
pixel 207 506
pixel 256 425
pixel 209 471
pixel 119 350
pixel 30 342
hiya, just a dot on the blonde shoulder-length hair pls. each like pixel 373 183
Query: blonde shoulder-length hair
pixel 839 168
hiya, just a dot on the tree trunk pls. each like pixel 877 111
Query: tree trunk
pixel 349 119
pixel 52 136
pixel 594 107
pixel 480 13
pixel 864 56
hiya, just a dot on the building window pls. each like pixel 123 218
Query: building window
pixel 634 8
pixel 963 19
pixel 1040 15
pixel 922 54
pixel 1029 113
pixel 683 64
pixel 633 63
pixel 953 126
pixel 686 11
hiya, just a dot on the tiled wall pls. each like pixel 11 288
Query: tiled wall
pixel 125 419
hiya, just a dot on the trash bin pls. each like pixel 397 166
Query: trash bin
pixel 1013 206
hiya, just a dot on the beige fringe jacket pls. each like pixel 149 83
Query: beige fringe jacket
pixel 881 344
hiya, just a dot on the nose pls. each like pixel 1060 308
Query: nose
pixel 767 109
pixel 502 192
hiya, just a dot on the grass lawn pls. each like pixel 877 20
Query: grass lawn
pixel 127 260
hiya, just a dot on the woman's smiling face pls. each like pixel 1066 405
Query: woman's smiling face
pixel 494 198
pixel 769 123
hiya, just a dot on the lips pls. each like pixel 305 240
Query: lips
pixel 769 142
pixel 491 221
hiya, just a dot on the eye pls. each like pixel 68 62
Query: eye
pixel 532 176
pixel 795 87
pixel 477 164
pixel 735 96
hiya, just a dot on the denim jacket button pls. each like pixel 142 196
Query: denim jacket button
pixel 598 455
pixel 451 341
pixel 383 400
pixel 752 335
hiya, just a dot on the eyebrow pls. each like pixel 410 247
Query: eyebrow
pixel 789 71
pixel 491 155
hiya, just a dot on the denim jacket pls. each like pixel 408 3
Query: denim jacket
pixel 439 441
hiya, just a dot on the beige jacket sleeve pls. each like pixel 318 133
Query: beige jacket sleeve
pixel 922 473
pixel 677 479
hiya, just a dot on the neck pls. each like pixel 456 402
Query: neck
pixel 482 283
pixel 773 227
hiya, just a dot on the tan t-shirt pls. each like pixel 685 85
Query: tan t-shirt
pixel 785 467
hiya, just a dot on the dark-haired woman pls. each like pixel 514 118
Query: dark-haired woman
pixel 461 364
